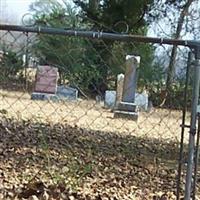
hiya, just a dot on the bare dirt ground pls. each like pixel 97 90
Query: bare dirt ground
pixel 77 150
pixel 160 123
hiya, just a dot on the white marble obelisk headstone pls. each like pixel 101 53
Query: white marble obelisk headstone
pixel 120 85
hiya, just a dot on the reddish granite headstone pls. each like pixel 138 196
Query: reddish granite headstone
pixel 46 79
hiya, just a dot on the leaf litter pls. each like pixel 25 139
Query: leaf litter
pixel 45 161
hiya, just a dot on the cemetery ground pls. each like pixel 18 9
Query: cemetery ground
pixel 77 150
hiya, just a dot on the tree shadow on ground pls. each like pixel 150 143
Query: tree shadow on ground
pixel 95 161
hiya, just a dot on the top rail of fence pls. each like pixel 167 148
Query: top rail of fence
pixel 100 35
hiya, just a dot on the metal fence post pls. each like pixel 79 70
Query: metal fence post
pixel 196 160
pixel 26 61
pixel 180 161
pixel 191 146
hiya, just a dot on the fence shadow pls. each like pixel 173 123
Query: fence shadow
pixel 103 160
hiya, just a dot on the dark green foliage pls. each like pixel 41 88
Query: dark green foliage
pixel 115 15
pixel 69 54
pixel 10 64
pixel 93 65
pixel 120 16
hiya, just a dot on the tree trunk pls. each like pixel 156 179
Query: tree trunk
pixel 171 67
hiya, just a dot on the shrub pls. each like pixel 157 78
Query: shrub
pixel 10 64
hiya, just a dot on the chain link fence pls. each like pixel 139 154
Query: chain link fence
pixel 60 137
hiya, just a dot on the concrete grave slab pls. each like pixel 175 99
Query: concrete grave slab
pixel 44 96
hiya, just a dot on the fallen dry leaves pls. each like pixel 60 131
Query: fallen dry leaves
pixel 45 161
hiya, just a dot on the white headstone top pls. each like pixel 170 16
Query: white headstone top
pixel 138 58
pixel 120 76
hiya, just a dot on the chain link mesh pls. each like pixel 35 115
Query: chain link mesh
pixel 80 142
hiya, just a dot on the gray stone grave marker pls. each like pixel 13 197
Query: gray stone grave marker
pixel 127 107
pixel 67 93
pixel 110 99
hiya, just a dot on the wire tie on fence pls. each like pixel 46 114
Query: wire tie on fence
pixel 39 29
pixel 186 43
pixel 93 34
pixel 75 33
pixel 26 33
pixel 161 40
pixel 193 131
pixel 101 33
pixel 184 126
